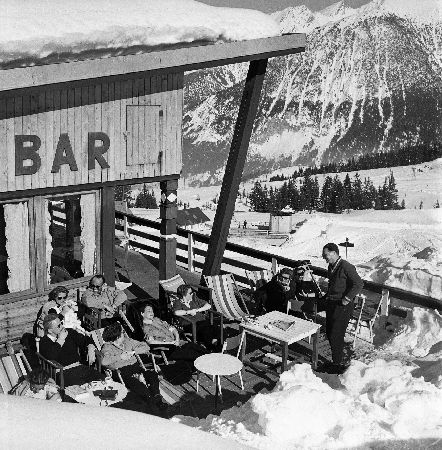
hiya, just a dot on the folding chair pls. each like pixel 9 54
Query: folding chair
pixel 12 370
pixel 363 316
pixel 225 295
pixel 257 278
pixel 170 287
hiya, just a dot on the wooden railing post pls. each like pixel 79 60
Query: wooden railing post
pixel 274 265
pixel 190 252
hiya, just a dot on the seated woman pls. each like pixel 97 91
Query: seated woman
pixel 187 304
pixel 56 298
pixel 157 331
pixel 119 353
pixel 37 384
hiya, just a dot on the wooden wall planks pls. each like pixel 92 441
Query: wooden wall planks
pixel 148 143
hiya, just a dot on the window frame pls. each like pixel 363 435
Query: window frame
pixel 37 244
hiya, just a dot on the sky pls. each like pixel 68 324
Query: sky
pixel 270 6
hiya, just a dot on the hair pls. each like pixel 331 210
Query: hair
pixel 48 320
pixel 58 290
pixel 38 376
pixel 97 276
pixel 112 332
pixel 183 290
pixel 286 271
pixel 331 247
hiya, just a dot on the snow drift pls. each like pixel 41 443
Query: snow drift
pixel 32 30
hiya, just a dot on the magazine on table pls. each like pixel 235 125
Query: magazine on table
pixel 283 325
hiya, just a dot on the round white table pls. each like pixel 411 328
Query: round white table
pixel 88 398
pixel 217 365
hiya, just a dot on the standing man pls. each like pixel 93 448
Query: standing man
pixel 344 284
pixel 101 296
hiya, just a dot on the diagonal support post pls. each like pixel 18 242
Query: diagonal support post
pixel 235 165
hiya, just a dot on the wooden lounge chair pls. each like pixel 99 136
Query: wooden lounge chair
pixel 54 368
pixel 257 278
pixel 170 287
pixel 12 370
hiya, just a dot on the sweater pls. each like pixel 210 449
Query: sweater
pixel 108 296
pixel 68 353
pixel 343 281
pixel 112 352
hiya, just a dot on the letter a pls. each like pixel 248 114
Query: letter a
pixel 64 154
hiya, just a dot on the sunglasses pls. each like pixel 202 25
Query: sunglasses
pixel 94 287
pixel 62 297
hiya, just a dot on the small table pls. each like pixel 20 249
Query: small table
pixel 217 365
pixel 88 398
pixel 301 329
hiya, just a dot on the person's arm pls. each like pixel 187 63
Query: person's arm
pixel 118 297
pixel 52 392
pixel 354 284
pixel 49 349
pixel 138 347
pixel 85 342
pixel 111 355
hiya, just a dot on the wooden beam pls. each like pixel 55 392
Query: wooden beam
pixel 108 234
pixel 182 59
pixel 167 256
pixel 234 167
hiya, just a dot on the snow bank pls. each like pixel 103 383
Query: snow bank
pixel 34 29
pixel 24 423
pixel 374 402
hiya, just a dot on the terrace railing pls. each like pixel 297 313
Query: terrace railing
pixel 144 235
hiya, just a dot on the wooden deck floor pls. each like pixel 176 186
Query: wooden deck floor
pixel 259 374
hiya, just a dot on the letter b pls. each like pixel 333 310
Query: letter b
pixel 29 152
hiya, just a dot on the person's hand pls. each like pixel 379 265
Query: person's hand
pixel 109 308
pixel 62 335
pixel 90 354
pixel 345 301
pixel 127 355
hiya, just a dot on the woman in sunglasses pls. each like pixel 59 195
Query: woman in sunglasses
pixel 56 300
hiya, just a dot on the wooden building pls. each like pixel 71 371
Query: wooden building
pixel 70 132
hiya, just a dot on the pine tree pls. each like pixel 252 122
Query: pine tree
pixel 357 193
pixel 337 195
pixel 347 199
pixel 403 204
pixel 326 194
pixel 146 199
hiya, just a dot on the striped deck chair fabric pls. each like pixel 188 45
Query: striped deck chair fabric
pixel 12 368
pixel 172 284
pixel 255 276
pixel 224 296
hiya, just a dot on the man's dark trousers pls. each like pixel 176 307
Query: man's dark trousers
pixel 337 319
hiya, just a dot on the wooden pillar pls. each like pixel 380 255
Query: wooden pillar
pixel 235 166
pixel 168 213
pixel 108 234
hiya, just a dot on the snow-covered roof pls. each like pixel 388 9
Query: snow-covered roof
pixel 45 31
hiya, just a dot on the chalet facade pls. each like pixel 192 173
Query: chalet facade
pixel 71 132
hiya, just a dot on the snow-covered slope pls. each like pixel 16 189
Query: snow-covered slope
pixel 370 80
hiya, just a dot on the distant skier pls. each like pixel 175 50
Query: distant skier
pixel 244 224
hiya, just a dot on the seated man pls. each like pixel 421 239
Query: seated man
pixel 119 353
pixel 37 384
pixel 108 299
pixel 273 296
pixel 64 346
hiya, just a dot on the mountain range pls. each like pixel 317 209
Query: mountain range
pixel 370 80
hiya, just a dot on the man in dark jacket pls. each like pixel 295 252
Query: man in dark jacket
pixel 63 345
pixel 344 284
pixel 273 296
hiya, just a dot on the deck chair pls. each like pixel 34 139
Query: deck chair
pixel 257 278
pixel 225 295
pixel 12 370
pixel 170 287
pixel 363 316
pixel 54 368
